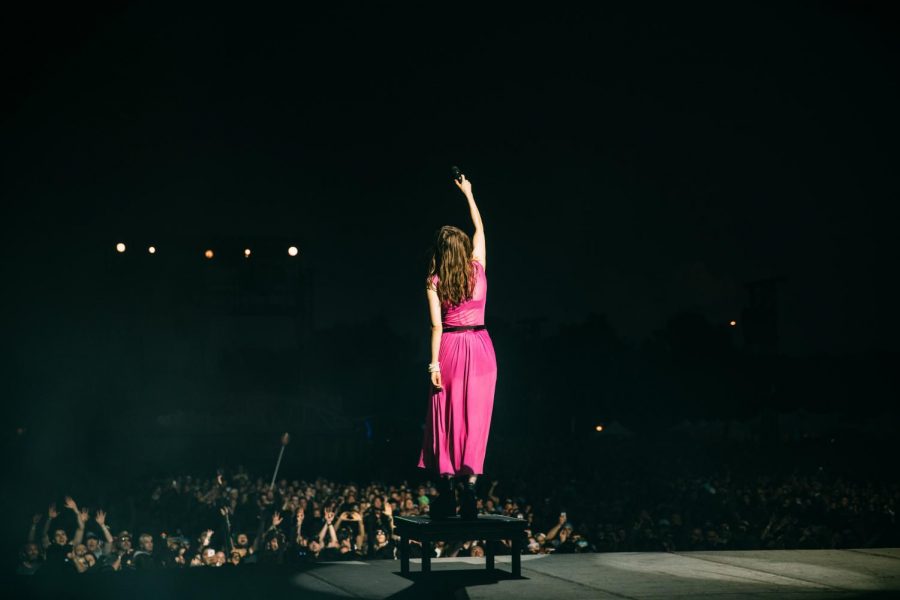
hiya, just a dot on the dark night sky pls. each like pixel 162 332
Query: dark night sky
pixel 634 161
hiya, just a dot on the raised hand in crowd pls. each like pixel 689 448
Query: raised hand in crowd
pixel 45 535
pixel 555 529
pixel 32 531
pixel 205 538
pixel 100 519
pixel 71 505
pixel 298 537
pixel 491 493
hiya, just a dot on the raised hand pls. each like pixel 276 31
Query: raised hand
pixel 52 512
pixel 464 185
pixel 276 519
pixel 329 516
pixel 36 518
pixel 388 509
pixel 300 515
pixel 84 516
pixel 100 517
pixel 70 504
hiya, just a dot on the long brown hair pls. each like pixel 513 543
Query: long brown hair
pixel 451 261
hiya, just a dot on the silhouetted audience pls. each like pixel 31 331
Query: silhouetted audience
pixel 241 520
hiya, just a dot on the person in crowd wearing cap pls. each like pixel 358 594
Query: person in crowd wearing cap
pixel 124 550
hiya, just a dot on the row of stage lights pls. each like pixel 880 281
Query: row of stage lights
pixel 208 253
pixel 292 251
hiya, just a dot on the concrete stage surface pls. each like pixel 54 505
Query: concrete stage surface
pixel 801 574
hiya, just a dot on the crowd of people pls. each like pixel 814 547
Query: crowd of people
pixel 216 522
pixel 234 520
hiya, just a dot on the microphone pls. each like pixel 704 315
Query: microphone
pixel 456 173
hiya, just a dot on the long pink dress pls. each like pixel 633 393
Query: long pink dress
pixel 459 414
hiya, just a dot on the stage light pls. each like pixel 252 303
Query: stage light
pixel 293 251
pixel 209 254
pixel 120 247
pixel 246 252
pixel 732 323
pixel 599 428
pixel 152 249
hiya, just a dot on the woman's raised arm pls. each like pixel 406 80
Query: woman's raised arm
pixel 478 249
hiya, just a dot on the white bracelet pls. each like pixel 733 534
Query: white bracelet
pixel 434 367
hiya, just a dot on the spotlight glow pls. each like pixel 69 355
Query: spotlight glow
pixel 246 252
pixel 152 249
pixel 293 251
pixel 599 428
pixel 732 323
pixel 209 254
pixel 120 247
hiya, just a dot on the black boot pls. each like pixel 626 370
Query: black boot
pixel 468 504
pixel 444 506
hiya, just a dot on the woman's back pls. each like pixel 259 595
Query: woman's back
pixel 470 312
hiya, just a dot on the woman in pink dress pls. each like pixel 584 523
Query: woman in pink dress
pixel 463 366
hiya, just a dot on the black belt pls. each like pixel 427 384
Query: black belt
pixel 455 328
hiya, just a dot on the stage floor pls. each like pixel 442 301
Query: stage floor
pixel 801 574
pixel 806 574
